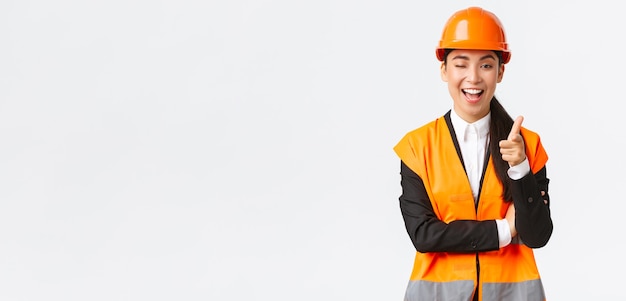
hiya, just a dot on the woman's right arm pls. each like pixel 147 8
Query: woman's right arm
pixel 429 234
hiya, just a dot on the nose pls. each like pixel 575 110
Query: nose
pixel 473 75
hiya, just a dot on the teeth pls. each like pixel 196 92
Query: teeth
pixel 472 91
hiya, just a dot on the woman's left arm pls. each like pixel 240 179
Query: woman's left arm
pixel 532 208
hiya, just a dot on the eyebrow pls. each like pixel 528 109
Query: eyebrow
pixel 463 57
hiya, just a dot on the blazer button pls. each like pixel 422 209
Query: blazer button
pixel 530 200
pixel 473 245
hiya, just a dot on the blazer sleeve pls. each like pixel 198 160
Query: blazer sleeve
pixel 429 234
pixel 532 209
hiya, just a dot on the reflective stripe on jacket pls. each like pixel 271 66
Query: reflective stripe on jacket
pixel 509 273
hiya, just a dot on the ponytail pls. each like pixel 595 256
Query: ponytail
pixel 501 123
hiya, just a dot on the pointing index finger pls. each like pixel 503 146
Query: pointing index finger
pixel 517 125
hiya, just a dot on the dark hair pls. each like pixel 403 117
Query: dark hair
pixel 499 128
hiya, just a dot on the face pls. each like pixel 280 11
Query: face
pixel 472 76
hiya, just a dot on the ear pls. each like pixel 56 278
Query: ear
pixel 444 73
pixel 500 73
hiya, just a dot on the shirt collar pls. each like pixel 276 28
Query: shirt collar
pixel 460 125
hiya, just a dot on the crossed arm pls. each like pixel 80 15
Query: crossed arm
pixel 429 234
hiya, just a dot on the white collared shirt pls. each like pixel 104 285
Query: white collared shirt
pixel 473 140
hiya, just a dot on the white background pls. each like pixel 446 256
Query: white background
pixel 242 150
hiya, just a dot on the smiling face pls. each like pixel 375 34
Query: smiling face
pixel 472 76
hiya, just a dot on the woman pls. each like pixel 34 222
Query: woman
pixel 474 186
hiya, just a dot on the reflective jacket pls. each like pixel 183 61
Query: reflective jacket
pixel 508 273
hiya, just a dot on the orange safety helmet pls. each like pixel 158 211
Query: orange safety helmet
pixel 474 28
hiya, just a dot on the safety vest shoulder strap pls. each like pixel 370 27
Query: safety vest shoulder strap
pixel 537 156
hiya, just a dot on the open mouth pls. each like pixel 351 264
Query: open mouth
pixel 472 94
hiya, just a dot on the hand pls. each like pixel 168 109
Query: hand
pixel 512 149
pixel 510 218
